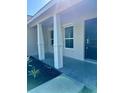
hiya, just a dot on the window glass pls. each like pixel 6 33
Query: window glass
pixel 52 37
pixel 52 42
pixel 69 43
pixel 69 37
pixel 52 34
pixel 69 32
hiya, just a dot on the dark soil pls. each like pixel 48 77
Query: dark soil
pixel 46 73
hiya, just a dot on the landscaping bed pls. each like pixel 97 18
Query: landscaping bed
pixel 39 73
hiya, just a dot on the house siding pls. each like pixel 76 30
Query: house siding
pixel 32 48
pixel 77 51
pixel 78 23
pixel 69 16
pixel 49 47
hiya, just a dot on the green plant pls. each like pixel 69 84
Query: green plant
pixel 34 72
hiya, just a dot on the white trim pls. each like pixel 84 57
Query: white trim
pixel 42 10
pixel 85 19
pixel 40 41
pixel 58 49
pixel 67 25
pixel 90 61
pixel 83 39
pixel 40 20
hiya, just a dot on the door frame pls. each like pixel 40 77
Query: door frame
pixel 86 59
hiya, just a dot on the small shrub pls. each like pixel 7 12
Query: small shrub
pixel 33 72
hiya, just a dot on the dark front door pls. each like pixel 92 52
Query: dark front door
pixel 91 39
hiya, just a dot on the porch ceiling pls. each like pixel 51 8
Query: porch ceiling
pixel 48 23
pixel 76 12
pixel 73 9
pixel 81 10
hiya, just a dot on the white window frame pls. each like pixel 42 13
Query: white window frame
pixel 68 25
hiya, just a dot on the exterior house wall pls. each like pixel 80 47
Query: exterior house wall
pixel 50 47
pixel 78 51
pixel 70 16
pixel 78 35
pixel 32 48
pixel 45 34
pixel 47 38
pixel 79 26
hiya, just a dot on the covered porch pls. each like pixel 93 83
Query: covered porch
pixel 49 40
pixel 48 31
pixel 81 71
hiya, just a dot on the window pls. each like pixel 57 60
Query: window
pixel 69 37
pixel 52 37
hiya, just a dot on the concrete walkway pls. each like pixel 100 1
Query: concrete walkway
pixel 81 71
pixel 60 84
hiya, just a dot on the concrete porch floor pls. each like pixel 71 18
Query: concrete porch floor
pixel 81 71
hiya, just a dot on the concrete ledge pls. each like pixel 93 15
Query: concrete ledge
pixel 60 84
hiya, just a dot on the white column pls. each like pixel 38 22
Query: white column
pixel 40 39
pixel 58 43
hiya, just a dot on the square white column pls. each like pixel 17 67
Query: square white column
pixel 58 43
pixel 40 39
